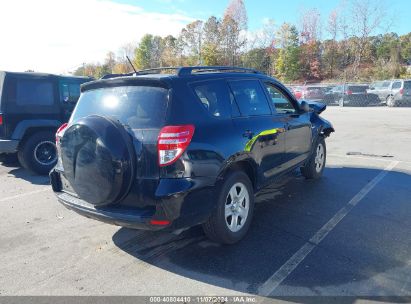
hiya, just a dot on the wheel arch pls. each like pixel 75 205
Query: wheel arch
pixel 247 166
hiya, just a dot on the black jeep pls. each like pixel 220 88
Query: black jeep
pixel 164 151
pixel 32 107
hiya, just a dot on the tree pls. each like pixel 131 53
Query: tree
pixel 331 50
pixel 366 17
pixel 287 65
pixel 233 29
pixel 192 36
pixel 143 52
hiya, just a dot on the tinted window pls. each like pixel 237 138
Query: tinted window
pixel 134 106
pixel 396 85
pixel 250 97
pixel 281 103
pixel 358 89
pixel 407 85
pixel 70 92
pixel 215 97
pixel 34 92
pixel 386 84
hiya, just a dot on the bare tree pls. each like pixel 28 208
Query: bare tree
pixel 192 37
pixel 366 17
pixel 236 10
pixel 332 29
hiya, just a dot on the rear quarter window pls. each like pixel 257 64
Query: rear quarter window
pixel 134 106
pixel 407 85
pixel 215 98
pixel 358 89
pixel 34 92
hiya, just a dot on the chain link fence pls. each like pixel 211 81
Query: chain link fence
pixel 390 93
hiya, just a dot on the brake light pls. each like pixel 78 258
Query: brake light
pixel 402 91
pixel 59 130
pixel 1 119
pixel 348 92
pixel 172 142
pixel 159 222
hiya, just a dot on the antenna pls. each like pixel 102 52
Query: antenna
pixel 131 64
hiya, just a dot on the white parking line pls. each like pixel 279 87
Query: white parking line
pixel 24 194
pixel 268 287
pixel 367 158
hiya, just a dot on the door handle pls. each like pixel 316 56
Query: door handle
pixel 248 134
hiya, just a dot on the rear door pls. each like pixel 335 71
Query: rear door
pixel 261 133
pixel 297 126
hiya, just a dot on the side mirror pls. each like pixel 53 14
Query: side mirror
pixel 304 106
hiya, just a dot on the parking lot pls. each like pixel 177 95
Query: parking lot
pixel 346 234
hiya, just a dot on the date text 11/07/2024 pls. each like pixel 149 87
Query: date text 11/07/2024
pixel 203 299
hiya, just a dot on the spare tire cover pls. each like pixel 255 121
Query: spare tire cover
pixel 98 159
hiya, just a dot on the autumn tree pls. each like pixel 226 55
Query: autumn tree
pixel 192 37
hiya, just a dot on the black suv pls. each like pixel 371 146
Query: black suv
pixel 32 107
pixel 163 151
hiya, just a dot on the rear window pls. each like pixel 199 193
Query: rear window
pixel 407 85
pixel 358 89
pixel 134 106
pixel 34 92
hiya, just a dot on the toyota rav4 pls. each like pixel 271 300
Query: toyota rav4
pixel 170 151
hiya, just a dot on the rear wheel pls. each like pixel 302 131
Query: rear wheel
pixel 231 219
pixel 316 164
pixel 390 101
pixel 38 152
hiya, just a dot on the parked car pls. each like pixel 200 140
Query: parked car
pixel 313 93
pixel 400 94
pixel 348 95
pixel 381 89
pixel 32 107
pixel 297 92
pixel 163 151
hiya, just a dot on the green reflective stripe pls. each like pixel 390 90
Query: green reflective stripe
pixel 251 142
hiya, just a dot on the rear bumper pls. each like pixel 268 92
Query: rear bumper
pixel 181 202
pixel 8 145
pixel 132 218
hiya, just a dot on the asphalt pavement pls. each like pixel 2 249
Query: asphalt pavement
pixel 347 234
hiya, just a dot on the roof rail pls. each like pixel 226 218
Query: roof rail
pixel 183 71
pixel 108 76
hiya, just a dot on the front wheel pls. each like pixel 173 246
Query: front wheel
pixel 316 163
pixel 231 220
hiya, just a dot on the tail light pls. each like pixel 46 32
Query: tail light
pixel 59 130
pixel 348 92
pixel 1 119
pixel 172 142
pixel 402 91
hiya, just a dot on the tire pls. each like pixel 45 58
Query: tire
pixel 316 163
pixel 217 227
pixel 390 101
pixel 38 152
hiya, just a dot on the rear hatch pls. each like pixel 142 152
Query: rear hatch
pixel 134 114
pixel 407 89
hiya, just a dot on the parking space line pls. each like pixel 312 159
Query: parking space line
pixel 24 194
pixel 269 286
pixel 367 158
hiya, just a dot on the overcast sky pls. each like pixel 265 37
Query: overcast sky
pixel 57 36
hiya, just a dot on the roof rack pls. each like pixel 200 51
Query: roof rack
pixel 185 71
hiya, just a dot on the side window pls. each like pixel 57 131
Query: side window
pixel 386 84
pixel 280 102
pixel 214 95
pixel 396 85
pixel 70 92
pixel 34 92
pixel 250 97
